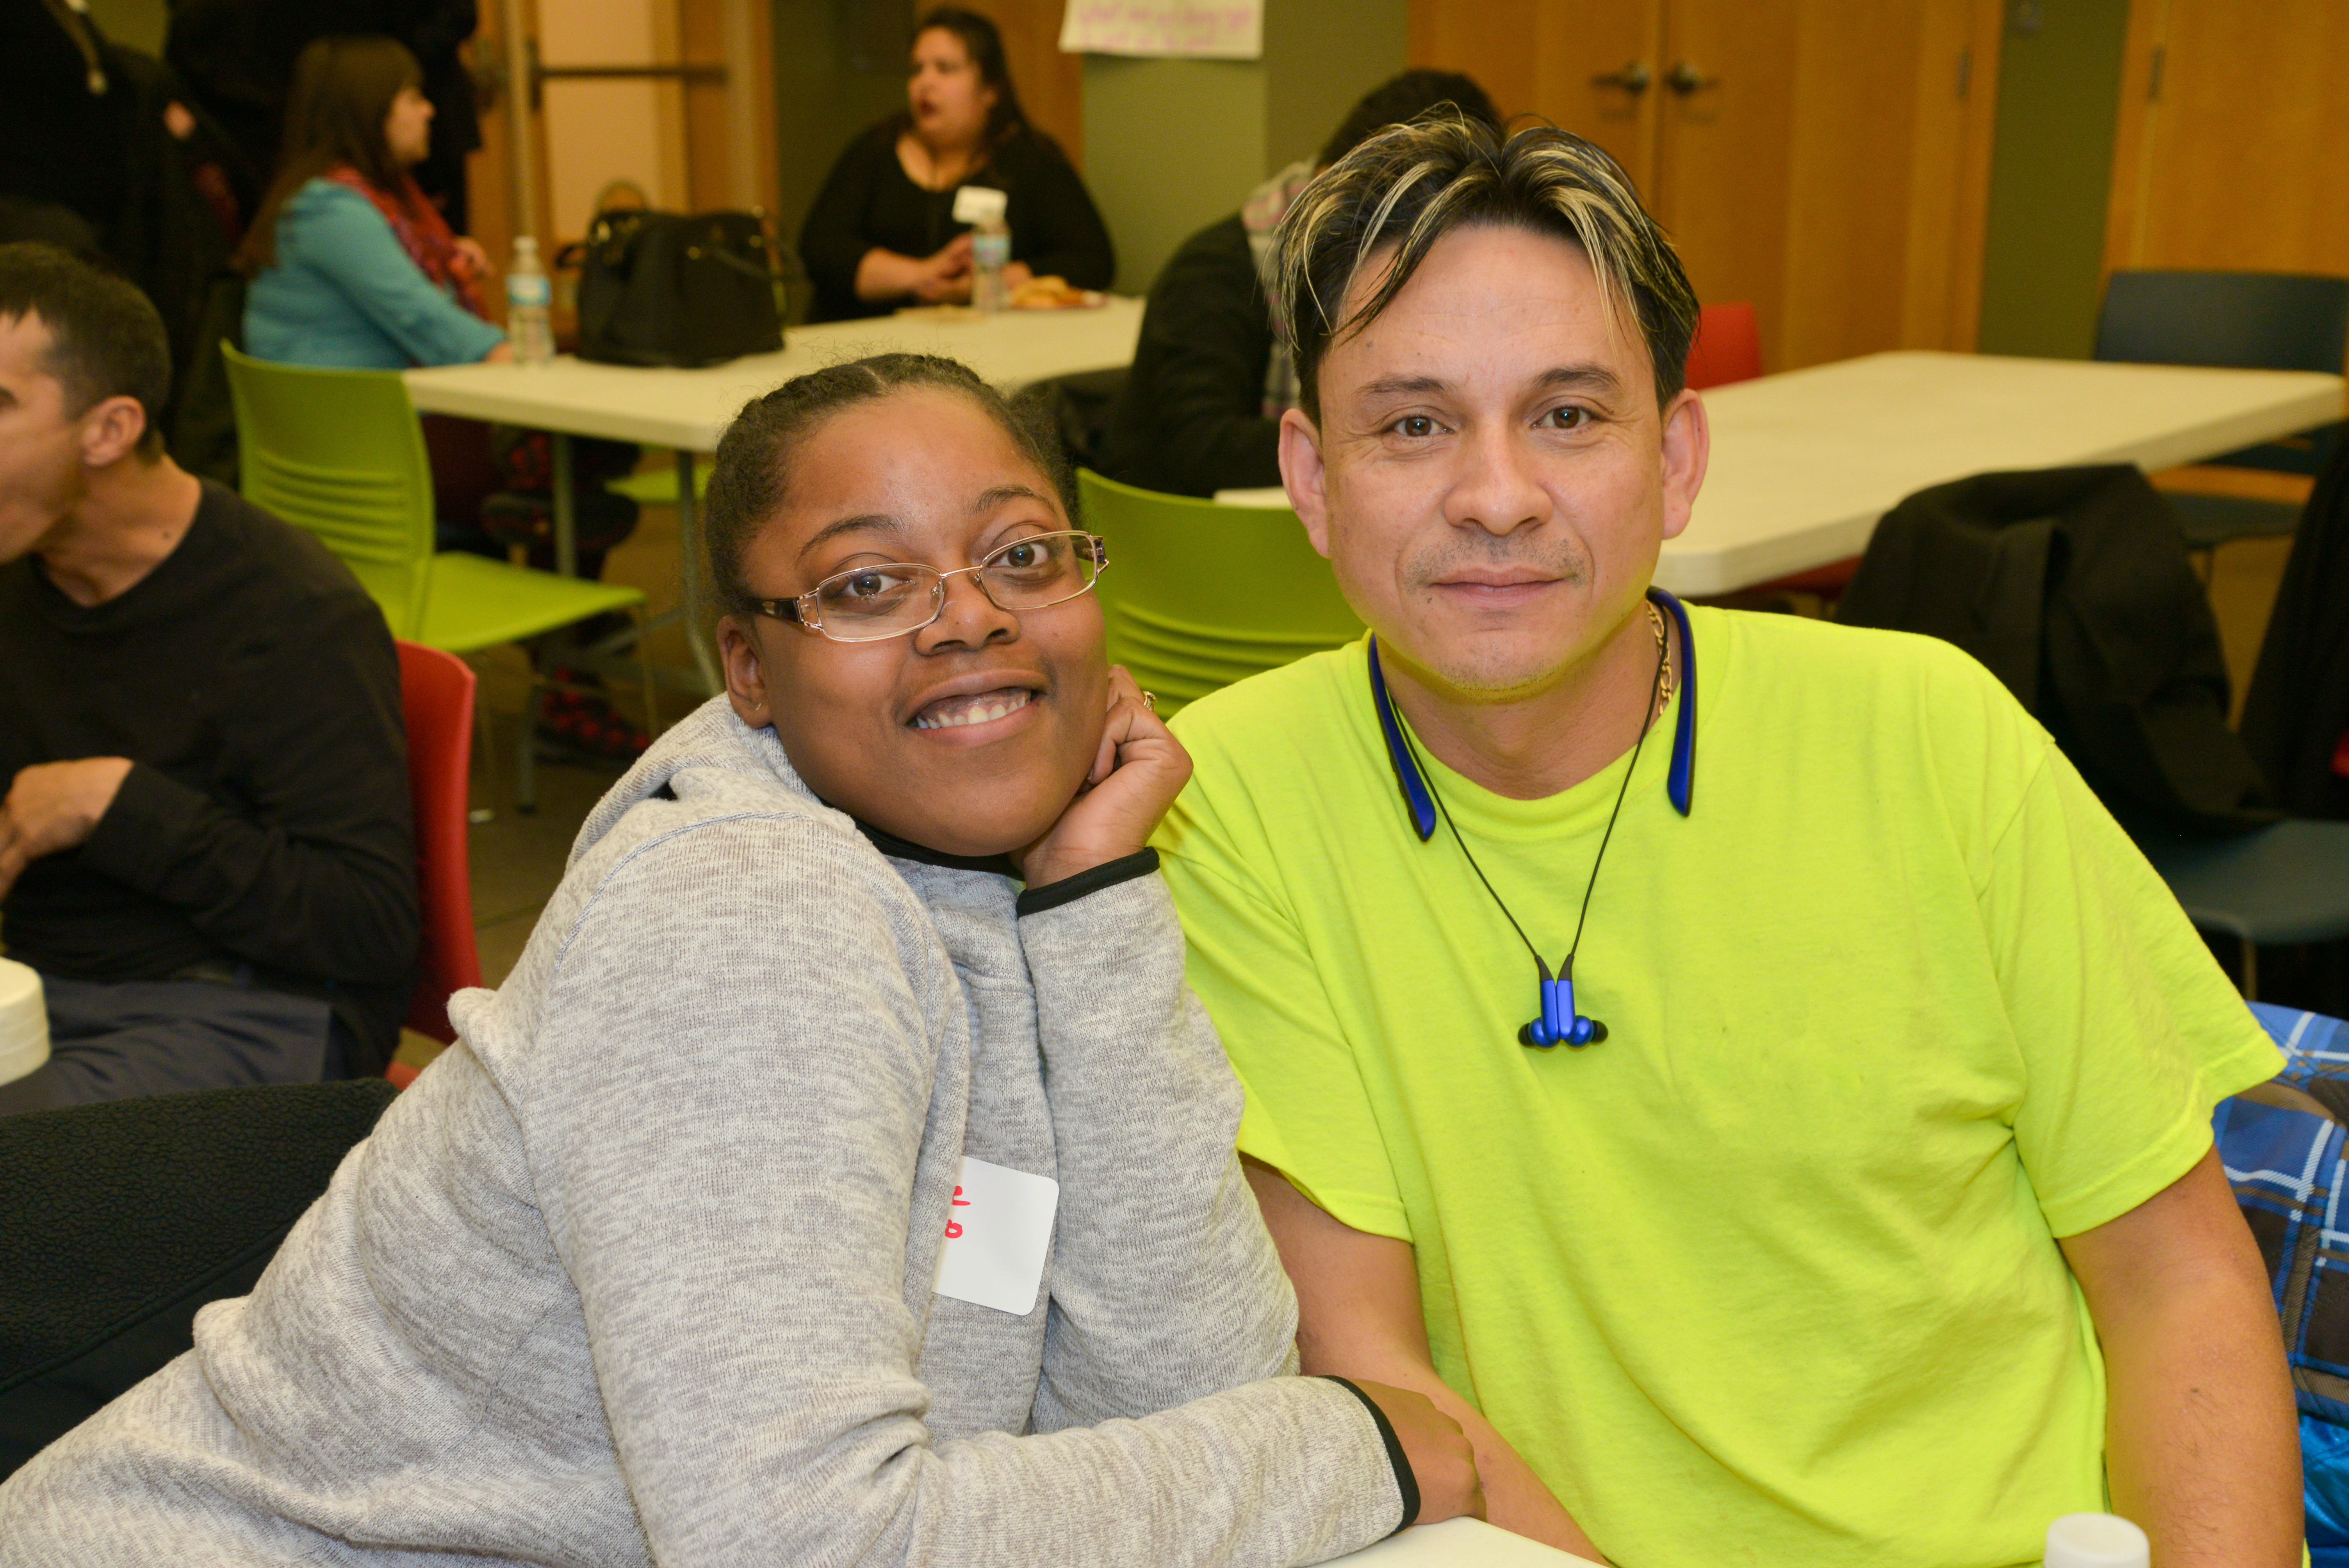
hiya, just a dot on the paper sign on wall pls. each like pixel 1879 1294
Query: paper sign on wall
pixel 998 1232
pixel 1200 29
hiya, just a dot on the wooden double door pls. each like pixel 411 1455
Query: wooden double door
pixel 1826 159
pixel 2232 150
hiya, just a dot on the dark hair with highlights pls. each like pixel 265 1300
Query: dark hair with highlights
pixel 1400 99
pixel 1408 187
pixel 753 469
pixel 342 94
pixel 106 338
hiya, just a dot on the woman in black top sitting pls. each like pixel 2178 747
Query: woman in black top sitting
pixel 882 232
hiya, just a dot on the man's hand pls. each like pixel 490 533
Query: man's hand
pixel 2201 1442
pixel 1358 1315
pixel 54 806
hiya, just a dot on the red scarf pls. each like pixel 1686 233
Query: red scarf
pixel 422 232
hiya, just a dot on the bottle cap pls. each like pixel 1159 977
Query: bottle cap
pixel 2096 1541
pixel 525 244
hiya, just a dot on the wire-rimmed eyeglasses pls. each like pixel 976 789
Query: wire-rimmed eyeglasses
pixel 870 603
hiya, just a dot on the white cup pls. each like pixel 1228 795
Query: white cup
pixel 2096 1541
pixel 23 1021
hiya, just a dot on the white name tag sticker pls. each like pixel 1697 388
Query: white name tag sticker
pixel 997 1232
pixel 977 204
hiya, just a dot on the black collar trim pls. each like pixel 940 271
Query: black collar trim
pixel 899 848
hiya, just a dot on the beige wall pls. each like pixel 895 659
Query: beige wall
pixel 2058 90
pixel 137 23
pixel 599 132
pixel 1172 146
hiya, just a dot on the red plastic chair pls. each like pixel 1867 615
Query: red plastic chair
pixel 437 696
pixel 1728 346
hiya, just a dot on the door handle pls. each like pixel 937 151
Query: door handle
pixel 1685 79
pixel 1632 78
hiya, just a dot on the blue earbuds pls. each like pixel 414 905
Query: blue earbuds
pixel 1560 1023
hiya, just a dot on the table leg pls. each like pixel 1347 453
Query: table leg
pixel 688 563
pixel 566 514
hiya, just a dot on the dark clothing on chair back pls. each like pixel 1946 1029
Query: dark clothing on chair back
pixel 254 685
pixel 2073 586
pixel 2298 706
pixel 868 200
pixel 122 1220
pixel 1191 420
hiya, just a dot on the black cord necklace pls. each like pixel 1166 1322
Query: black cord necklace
pixel 1560 1023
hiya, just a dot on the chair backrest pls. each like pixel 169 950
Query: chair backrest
pixel 1727 347
pixel 340 453
pixel 125 1217
pixel 2243 321
pixel 436 692
pixel 1199 595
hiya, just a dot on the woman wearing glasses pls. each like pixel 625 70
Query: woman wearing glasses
pixel 810 1193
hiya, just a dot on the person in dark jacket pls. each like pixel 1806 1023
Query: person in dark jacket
pixel 1201 407
pixel 205 840
pixel 2072 586
pixel 2296 714
pixel 237 57
pixel 882 232
pixel 100 152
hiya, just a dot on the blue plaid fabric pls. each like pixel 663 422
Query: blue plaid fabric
pixel 2285 1147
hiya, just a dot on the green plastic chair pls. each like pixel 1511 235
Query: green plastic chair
pixel 340 453
pixel 657 487
pixel 1200 594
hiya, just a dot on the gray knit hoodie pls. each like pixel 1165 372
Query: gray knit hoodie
pixel 640 1270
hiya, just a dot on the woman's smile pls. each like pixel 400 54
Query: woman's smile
pixel 978 710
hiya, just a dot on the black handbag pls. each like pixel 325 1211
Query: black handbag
pixel 667 288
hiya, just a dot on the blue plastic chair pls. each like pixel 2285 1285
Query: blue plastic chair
pixel 2284 885
pixel 2240 321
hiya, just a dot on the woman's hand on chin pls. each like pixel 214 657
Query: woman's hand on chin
pixel 1137 771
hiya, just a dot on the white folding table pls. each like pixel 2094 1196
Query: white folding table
pixel 1806 462
pixel 688 411
pixel 1461 1544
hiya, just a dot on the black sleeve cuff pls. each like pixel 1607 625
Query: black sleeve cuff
pixel 1405 1482
pixel 1068 890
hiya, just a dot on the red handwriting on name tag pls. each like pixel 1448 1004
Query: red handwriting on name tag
pixel 994 1255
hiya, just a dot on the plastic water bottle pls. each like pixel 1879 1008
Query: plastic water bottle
pixel 990 252
pixel 2096 1541
pixel 528 296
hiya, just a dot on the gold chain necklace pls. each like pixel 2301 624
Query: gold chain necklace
pixel 1663 658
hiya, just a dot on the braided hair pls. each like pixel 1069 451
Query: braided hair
pixel 753 473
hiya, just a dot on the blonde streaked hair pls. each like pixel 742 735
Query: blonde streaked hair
pixel 1409 185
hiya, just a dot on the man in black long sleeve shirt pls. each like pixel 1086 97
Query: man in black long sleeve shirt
pixel 206 844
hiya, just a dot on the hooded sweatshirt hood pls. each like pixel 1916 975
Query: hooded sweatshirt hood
pixel 713 760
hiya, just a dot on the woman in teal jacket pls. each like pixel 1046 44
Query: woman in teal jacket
pixel 352 267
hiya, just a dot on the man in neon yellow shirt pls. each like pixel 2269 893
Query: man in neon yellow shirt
pixel 1879 1223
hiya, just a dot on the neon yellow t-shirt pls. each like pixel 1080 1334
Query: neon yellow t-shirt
pixel 1770 1275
